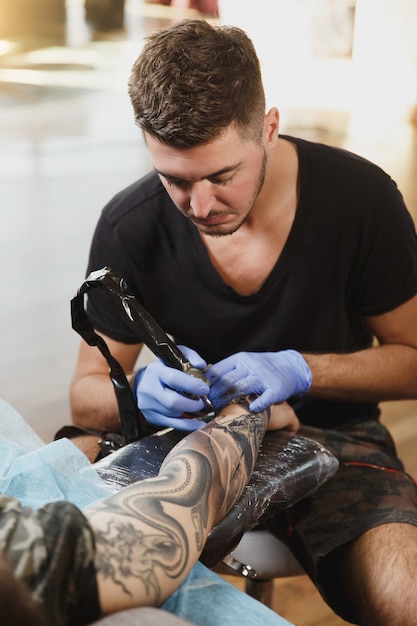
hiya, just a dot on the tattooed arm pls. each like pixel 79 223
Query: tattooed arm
pixel 150 534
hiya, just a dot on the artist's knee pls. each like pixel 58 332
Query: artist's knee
pixel 379 575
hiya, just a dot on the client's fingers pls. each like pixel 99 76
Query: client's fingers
pixel 283 417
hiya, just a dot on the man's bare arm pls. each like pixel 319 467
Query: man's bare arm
pixel 387 371
pixel 150 534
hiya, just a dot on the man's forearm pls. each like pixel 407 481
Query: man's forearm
pixel 387 372
pixel 94 403
pixel 230 443
pixel 150 535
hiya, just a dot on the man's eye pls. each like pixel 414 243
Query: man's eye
pixel 175 183
pixel 221 181
pixel 183 184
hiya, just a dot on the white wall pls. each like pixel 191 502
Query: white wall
pixel 376 86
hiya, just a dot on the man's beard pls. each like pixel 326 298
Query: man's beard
pixel 233 229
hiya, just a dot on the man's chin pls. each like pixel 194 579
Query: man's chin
pixel 217 231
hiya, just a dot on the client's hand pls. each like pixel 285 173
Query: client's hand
pixel 283 417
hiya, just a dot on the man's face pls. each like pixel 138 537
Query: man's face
pixel 214 185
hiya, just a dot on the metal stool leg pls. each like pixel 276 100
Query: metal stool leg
pixel 261 590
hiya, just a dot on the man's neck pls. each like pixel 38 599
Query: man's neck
pixel 245 258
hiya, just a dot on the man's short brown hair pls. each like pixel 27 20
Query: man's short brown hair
pixel 193 80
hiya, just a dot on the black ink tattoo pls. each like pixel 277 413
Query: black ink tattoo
pixel 208 468
pixel 125 554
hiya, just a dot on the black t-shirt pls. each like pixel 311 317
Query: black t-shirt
pixel 351 252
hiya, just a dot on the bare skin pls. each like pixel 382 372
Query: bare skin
pixel 367 574
pixel 150 534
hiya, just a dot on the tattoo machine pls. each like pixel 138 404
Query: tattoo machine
pixel 144 325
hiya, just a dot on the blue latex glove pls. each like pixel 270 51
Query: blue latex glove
pixel 159 393
pixel 272 376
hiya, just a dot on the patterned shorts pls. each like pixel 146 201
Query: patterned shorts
pixel 370 488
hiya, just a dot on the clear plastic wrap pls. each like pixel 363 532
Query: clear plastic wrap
pixel 137 460
pixel 288 468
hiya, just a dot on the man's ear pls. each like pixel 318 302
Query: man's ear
pixel 271 127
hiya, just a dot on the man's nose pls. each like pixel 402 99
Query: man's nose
pixel 202 199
